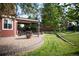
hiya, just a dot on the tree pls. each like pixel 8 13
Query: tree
pixel 73 11
pixel 7 9
pixel 51 15
pixel 28 8
pixel 70 14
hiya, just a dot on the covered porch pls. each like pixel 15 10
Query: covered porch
pixel 12 27
pixel 25 25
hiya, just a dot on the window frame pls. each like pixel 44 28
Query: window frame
pixel 3 24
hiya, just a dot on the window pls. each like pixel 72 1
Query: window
pixel 7 23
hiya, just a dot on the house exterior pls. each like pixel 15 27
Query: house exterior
pixel 8 25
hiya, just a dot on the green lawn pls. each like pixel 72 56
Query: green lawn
pixel 72 37
pixel 53 46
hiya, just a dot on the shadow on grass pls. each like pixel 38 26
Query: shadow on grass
pixel 73 54
pixel 76 53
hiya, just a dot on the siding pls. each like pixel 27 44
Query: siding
pixel 6 33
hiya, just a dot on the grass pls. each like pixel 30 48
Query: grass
pixel 53 46
pixel 72 37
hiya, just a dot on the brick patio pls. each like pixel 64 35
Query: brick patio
pixel 12 45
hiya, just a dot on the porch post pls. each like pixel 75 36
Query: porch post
pixel 38 28
pixel 15 28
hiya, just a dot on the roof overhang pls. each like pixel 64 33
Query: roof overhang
pixel 8 16
pixel 25 20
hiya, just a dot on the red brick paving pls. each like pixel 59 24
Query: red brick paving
pixel 11 45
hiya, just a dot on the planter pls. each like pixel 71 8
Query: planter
pixel 28 34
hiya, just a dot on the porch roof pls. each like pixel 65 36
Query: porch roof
pixel 25 20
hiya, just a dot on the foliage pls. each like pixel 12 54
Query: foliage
pixel 51 15
pixel 29 8
pixel 7 9
pixel 72 12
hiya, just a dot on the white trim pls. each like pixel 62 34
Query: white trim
pixel 3 25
